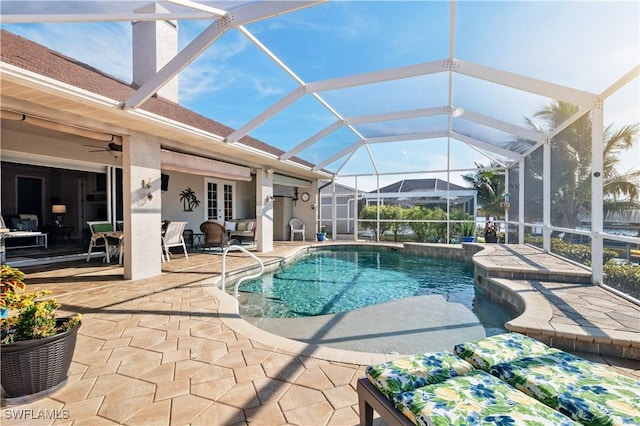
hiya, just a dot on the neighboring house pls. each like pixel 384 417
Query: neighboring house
pixel 407 193
pixel 68 140
pixel 425 192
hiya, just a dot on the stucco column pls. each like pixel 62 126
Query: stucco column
pixel 264 210
pixel 141 189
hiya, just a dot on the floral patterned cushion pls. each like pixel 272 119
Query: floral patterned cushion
pixel 477 398
pixel 489 351
pixel 585 391
pixel 395 377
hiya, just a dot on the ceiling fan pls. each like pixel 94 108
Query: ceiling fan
pixel 112 148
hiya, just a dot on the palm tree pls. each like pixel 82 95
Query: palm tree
pixel 570 172
pixel 489 182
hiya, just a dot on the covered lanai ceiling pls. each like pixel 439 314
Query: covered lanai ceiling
pixel 370 88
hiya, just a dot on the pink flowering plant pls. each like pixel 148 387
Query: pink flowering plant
pixel 34 315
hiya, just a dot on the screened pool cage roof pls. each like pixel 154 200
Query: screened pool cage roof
pixel 370 88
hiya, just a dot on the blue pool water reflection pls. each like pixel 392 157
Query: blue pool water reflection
pixel 335 281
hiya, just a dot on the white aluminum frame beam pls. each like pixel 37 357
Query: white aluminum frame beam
pixel 527 84
pixel 484 145
pixel 396 115
pixel 503 126
pixel 407 137
pixel 101 17
pixel 382 139
pixel 416 113
pixel 198 6
pixel 251 13
pixel 333 84
pixel 335 157
pixel 313 139
pixel 418 136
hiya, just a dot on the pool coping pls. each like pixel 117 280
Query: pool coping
pixel 534 320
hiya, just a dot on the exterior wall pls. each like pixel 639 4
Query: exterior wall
pixel 246 199
pixel 306 213
pixel 172 207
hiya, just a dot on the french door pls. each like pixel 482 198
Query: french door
pixel 220 198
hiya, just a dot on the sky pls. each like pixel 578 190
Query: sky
pixel 584 45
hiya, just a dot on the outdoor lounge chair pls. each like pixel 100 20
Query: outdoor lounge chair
pixel 215 234
pixel 583 390
pixel 172 237
pixel 442 389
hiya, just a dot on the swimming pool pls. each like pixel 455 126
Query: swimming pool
pixel 345 279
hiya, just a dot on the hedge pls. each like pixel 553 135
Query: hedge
pixel 625 278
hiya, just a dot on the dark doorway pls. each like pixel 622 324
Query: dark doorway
pixel 30 196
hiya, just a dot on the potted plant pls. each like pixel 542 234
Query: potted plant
pixel 12 282
pixel 322 235
pixel 468 232
pixel 36 348
pixel 189 199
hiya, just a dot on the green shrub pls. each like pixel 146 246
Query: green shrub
pixel 580 253
pixel 625 278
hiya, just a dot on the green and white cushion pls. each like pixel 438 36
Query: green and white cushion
pixel 585 391
pixel 477 398
pixel 492 350
pixel 394 377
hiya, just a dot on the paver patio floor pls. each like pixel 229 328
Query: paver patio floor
pixel 160 351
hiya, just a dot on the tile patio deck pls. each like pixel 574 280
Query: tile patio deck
pixel 170 350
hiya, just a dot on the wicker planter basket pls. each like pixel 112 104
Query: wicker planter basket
pixel 37 367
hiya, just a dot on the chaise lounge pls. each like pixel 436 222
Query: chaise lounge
pixel 504 379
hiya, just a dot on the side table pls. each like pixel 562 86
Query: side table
pixel 198 240
pixel 62 231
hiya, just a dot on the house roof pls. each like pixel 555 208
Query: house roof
pixel 421 185
pixel 49 63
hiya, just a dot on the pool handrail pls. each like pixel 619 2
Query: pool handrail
pixel 241 280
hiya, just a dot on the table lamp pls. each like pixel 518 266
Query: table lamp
pixel 59 209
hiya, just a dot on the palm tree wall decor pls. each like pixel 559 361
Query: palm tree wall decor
pixel 189 199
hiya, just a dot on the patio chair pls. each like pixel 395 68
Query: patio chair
pixel 111 246
pixel 172 237
pixel 215 234
pixel 297 227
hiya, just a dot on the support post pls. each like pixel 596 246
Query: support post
pixel 521 171
pixel 506 208
pixel 546 196
pixel 597 192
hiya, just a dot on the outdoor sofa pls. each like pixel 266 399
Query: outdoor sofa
pixel 503 379
pixel 241 229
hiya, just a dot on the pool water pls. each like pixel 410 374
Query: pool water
pixel 334 281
